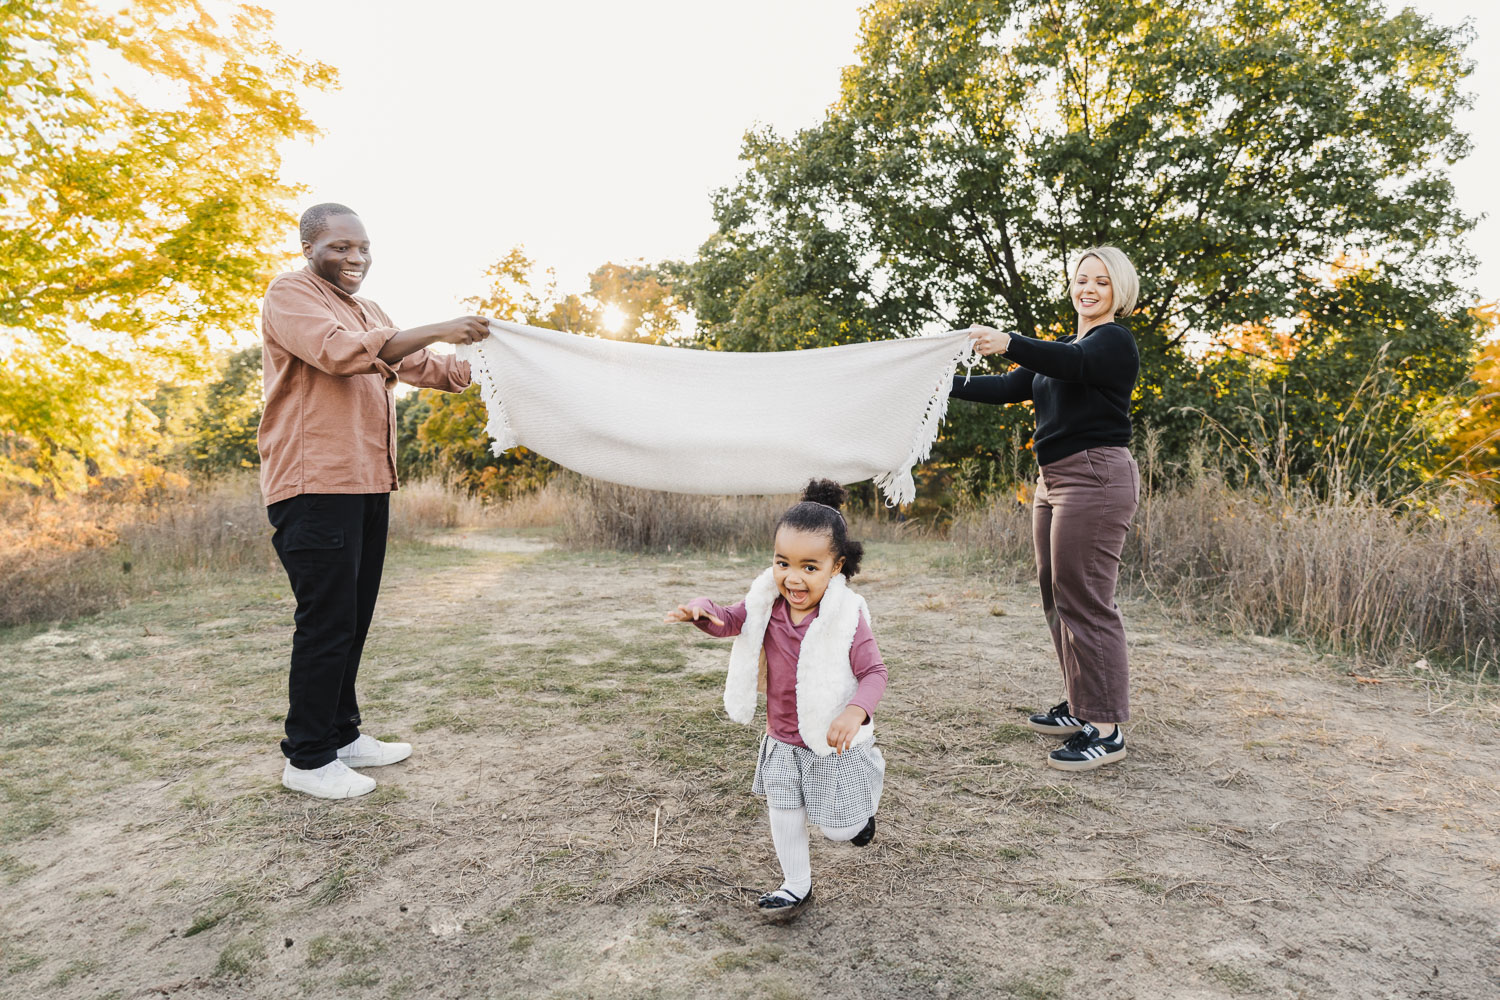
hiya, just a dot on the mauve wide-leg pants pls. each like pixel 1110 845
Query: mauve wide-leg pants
pixel 1083 508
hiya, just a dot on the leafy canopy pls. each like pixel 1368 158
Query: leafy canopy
pixel 1240 151
pixel 140 207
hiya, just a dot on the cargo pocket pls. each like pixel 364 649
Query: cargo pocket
pixel 303 537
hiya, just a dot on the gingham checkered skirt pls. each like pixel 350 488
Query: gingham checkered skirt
pixel 838 790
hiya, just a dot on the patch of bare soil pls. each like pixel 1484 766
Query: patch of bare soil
pixel 576 820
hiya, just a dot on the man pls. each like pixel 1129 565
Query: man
pixel 328 466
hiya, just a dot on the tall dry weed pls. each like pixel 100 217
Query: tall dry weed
pixel 604 515
pixel 425 505
pixel 1388 580
pixel 1350 571
pixel 996 533
pixel 79 555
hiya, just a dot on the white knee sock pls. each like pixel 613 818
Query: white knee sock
pixel 842 832
pixel 789 834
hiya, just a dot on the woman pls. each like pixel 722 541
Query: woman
pixel 1088 489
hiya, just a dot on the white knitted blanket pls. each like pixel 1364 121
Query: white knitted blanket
pixel 691 421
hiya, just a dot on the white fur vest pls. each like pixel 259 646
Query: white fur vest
pixel 825 682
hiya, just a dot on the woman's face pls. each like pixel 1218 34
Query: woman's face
pixel 1092 295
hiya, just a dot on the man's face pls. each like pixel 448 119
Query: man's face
pixel 341 253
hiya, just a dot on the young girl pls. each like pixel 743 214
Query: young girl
pixel 803 637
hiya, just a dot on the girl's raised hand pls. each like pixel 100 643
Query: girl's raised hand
pixel 845 728
pixel 988 340
pixel 683 613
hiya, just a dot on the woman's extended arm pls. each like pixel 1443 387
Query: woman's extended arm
pixel 1012 387
pixel 1107 355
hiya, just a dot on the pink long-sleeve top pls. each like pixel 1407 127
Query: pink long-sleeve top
pixel 782 645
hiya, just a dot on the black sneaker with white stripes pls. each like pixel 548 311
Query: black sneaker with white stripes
pixel 1056 721
pixel 1086 750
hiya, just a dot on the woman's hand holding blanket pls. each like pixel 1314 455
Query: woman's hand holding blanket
pixel 988 340
pixel 846 727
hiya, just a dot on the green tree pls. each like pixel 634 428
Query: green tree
pixel 1325 402
pixel 645 298
pixel 222 436
pixel 140 207
pixel 1237 150
pixel 411 409
pixel 1473 428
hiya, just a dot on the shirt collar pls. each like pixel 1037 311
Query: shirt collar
pixel 784 610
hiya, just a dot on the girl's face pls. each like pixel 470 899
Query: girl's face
pixel 1092 295
pixel 802 564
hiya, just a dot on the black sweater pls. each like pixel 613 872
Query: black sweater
pixel 1079 387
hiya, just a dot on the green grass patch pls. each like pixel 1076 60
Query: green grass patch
pixel 75 969
pixel 1008 733
pixel 204 922
pixel 1047 985
pixel 366 975
pixel 24 819
pixel 1234 978
pixel 239 959
pixel 745 959
pixel 13 869
pixel 339 883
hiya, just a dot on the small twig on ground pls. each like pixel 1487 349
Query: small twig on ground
pixel 655 827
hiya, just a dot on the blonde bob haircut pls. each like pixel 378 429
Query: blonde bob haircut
pixel 1122 277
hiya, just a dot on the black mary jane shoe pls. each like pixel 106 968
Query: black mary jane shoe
pixel 864 836
pixel 777 907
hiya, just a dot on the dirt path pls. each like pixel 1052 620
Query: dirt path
pixel 576 822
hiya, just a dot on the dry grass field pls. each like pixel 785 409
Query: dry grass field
pixel 576 822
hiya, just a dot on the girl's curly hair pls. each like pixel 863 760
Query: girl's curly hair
pixel 819 511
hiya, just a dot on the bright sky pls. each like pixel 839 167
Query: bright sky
pixel 596 130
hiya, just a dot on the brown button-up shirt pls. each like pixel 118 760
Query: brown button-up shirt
pixel 329 424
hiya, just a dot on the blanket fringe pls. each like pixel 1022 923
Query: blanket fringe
pixel 898 485
pixel 497 420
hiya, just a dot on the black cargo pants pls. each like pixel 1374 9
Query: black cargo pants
pixel 333 548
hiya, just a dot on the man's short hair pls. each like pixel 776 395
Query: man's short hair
pixel 315 219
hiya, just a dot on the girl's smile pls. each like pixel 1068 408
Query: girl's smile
pixel 802 565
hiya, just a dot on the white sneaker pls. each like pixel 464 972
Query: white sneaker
pixel 367 751
pixel 333 780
